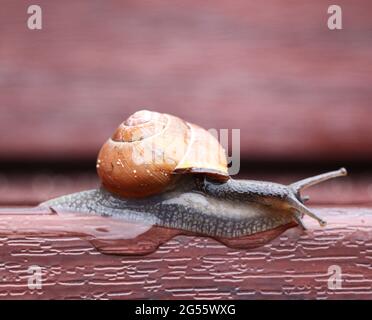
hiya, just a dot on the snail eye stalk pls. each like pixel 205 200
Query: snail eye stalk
pixel 308 182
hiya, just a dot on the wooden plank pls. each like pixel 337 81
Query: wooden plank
pixel 296 265
pixel 272 69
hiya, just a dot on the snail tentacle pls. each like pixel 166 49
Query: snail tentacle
pixel 297 201
pixel 308 182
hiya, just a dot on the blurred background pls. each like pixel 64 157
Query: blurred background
pixel 299 93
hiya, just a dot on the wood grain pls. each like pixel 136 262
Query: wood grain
pixel 272 69
pixel 293 266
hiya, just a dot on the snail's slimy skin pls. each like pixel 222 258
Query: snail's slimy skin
pixel 232 209
pixel 228 209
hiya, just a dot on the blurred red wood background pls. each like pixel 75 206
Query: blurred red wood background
pixel 296 90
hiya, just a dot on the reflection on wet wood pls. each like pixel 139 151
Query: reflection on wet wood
pixel 294 265
pixel 110 235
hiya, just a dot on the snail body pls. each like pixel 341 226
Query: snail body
pixel 189 188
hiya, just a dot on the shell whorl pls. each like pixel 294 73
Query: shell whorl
pixel 145 151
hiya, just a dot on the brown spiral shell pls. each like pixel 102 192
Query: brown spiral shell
pixel 147 150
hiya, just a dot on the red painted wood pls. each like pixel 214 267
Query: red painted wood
pixel 110 235
pixel 272 69
pixel 296 265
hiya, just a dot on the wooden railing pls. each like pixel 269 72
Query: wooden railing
pixel 324 263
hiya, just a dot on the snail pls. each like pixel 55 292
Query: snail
pixel 160 170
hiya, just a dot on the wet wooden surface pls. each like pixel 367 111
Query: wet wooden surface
pixel 296 265
pixel 272 69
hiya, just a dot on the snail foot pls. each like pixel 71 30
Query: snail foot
pixel 255 240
